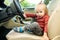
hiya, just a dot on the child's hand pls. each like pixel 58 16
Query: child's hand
pixel 45 37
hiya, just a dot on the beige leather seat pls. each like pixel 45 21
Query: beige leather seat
pixel 52 5
pixel 54 24
pixel 56 37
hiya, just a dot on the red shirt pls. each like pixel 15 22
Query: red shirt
pixel 42 21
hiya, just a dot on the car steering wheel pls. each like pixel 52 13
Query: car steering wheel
pixel 16 6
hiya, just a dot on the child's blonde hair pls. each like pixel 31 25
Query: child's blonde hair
pixel 42 5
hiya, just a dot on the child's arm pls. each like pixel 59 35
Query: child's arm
pixel 45 29
pixel 46 22
pixel 32 15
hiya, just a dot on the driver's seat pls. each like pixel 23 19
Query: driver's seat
pixel 54 24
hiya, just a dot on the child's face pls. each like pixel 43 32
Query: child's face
pixel 40 10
